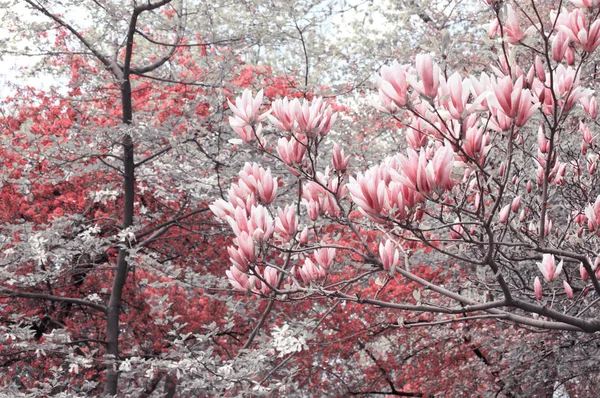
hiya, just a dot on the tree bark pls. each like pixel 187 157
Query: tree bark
pixel 114 304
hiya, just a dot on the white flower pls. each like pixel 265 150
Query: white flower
pixel 125 366
pixel 74 368
pixel 285 342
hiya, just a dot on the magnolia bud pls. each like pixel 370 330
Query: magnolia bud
pixel 303 238
pixel 537 288
pixel 504 213
pixel 539 69
pixel 568 290
pixel 570 55
pixel 583 272
pixel 530 76
pixel 593 109
pixel 515 204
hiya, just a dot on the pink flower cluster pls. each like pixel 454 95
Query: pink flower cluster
pixel 317 269
pixel 252 224
pixel 306 123
pixel 308 118
pixel 246 209
pixel 321 196
pixel 393 188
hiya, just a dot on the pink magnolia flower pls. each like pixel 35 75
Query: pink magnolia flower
pixel 246 245
pixel 329 205
pixel 583 273
pixel 537 288
pixel 254 284
pixel 430 76
pixel 313 209
pixel 566 86
pixel 286 223
pixel 249 133
pixel 414 172
pixel 270 275
pixel 522 215
pixel 314 117
pixel 303 238
pixel 479 87
pixel 568 290
pixel 475 144
pixel 388 254
pixel 528 104
pixel 456 94
pixel 237 258
pixel 592 212
pixel 393 86
pixel 312 191
pixel 246 110
pixel 368 191
pixel 291 151
pixel 539 69
pixel 570 56
pixel 255 179
pixel 585 3
pixel 504 213
pixel 238 279
pixel 513 31
pixel 416 135
pixel 457 231
pixel 241 196
pixel 328 118
pixel 441 165
pixel 239 221
pixel 424 176
pixel 590 106
pixel 500 122
pixel 267 188
pixel 506 96
pixel 310 271
pixel 282 115
pixel 560 44
pixel 530 76
pixel 396 200
pixel 575 26
pixel 516 203
pixel 588 139
pixel 325 257
pixel 222 209
pixel 592 163
pixel 543 143
pixel 339 160
pixel 261 224
pixel 548 267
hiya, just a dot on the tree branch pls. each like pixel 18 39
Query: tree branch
pixel 50 297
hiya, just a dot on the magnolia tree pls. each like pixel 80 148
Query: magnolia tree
pixel 107 269
pixel 498 179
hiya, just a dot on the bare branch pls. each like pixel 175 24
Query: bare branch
pixel 50 297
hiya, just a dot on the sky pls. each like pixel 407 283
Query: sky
pixel 9 64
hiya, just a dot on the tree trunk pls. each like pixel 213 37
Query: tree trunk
pixel 114 305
